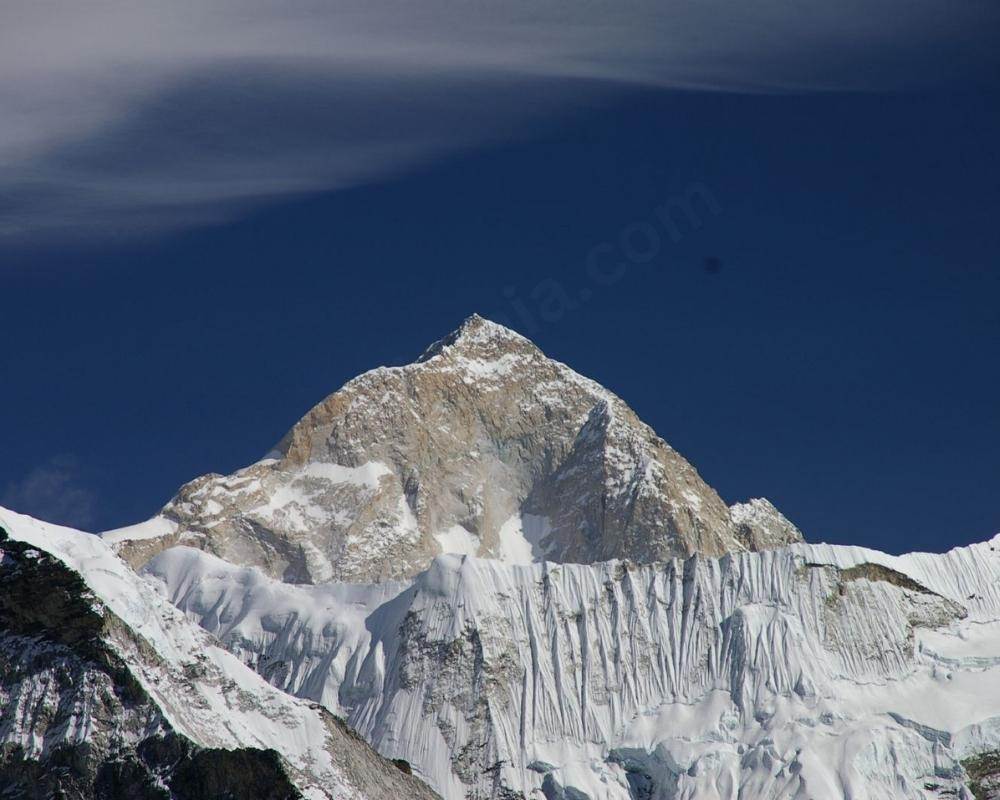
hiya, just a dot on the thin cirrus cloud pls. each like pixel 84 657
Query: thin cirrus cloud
pixel 125 117
pixel 54 491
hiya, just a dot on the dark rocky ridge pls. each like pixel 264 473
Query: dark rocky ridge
pixel 52 640
pixel 89 708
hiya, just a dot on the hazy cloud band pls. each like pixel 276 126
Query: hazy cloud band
pixel 131 116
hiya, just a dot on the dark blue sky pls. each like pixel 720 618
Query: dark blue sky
pixel 827 337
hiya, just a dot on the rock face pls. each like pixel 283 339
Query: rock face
pixel 107 691
pixel 483 446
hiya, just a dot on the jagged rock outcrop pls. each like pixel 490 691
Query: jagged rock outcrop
pixel 107 691
pixel 483 446
pixel 984 775
pixel 760 526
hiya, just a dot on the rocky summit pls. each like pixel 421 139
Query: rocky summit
pixel 483 446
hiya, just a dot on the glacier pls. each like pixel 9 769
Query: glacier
pixel 810 671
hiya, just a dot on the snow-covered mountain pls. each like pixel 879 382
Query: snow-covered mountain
pixel 496 573
pixel 483 446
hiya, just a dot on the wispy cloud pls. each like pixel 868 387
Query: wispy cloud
pixel 126 115
pixel 53 491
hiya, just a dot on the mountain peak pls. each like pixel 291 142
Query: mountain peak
pixel 483 447
pixel 478 334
